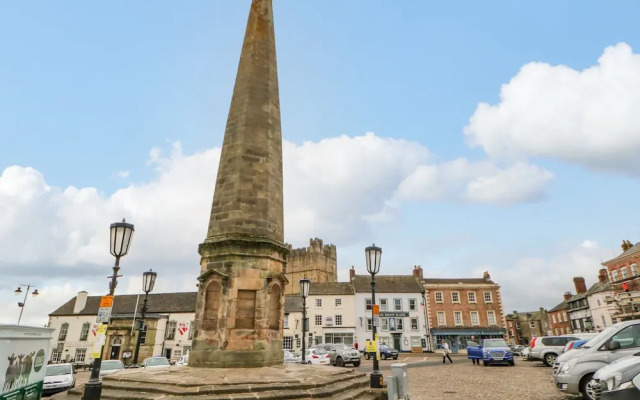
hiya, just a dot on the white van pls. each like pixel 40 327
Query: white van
pixel 573 371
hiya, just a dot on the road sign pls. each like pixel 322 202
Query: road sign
pixel 101 339
pixel 104 313
pixel 376 309
pixel 370 346
pixel 106 301
pixel 376 320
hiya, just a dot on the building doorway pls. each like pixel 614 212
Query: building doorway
pixel 167 353
pixel 116 343
pixel 396 342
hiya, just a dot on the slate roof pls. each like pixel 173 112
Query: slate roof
pixel 329 288
pixel 599 287
pixel 387 284
pixel 455 281
pixel 292 304
pixel 633 250
pixel 562 306
pixel 125 304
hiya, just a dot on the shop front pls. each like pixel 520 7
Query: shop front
pixel 457 338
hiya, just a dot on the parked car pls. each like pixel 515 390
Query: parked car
pixel 574 370
pixel 184 360
pixel 58 378
pixel 524 354
pixel 619 380
pixel 574 344
pixel 315 357
pixel 289 357
pixel 108 367
pixel 517 349
pixel 155 362
pixel 341 354
pixel 547 348
pixel 492 351
pixel 385 352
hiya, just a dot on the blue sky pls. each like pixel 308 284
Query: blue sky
pixel 88 90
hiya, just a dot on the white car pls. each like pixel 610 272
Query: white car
pixel 184 360
pixel 316 357
pixel 155 362
pixel 289 357
pixel 108 367
pixel 58 378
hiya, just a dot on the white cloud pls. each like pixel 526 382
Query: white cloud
pixel 122 174
pixel 589 244
pixel 337 188
pixel 586 117
pixel 481 182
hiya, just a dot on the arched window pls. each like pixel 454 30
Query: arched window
pixel 274 307
pixel 212 305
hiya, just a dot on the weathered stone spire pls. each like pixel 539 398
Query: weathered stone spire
pixel 248 192
pixel 240 306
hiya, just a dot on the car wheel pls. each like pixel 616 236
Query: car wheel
pixel 512 362
pixel 308 362
pixel 339 362
pixel 485 363
pixel 550 359
pixel 356 364
pixel 367 356
pixel 395 358
pixel 586 387
pixel 384 356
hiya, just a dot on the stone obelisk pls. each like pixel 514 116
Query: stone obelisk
pixel 239 309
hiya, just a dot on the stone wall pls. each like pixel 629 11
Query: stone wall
pixel 318 263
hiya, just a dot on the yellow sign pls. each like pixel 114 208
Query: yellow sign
pixel 106 301
pixel 101 337
pixel 376 309
pixel 370 346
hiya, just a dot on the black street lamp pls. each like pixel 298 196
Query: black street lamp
pixel 148 280
pixel 373 255
pixel 304 292
pixel 22 303
pixel 120 234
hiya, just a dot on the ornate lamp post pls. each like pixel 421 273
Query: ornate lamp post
pixel 304 292
pixel 120 239
pixel 22 303
pixel 148 281
pixel 373 255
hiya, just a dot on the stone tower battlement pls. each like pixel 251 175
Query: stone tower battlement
pixel 318 262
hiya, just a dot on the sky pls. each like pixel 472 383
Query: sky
pixel 460 136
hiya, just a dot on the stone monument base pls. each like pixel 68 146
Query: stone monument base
pixel 286 381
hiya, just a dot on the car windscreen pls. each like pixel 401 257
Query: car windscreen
pixel 111 365
pixel 151 362
pixel 495 343
pixel 340 346
pixel 597 338
pixel 58 370
pixel 472 343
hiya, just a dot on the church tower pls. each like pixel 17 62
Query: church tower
pixel 239 310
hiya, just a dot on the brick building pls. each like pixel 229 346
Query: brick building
pixel 559 317
pixel 523 326
pixel 465 307
pixel 624 282
pixel 318 263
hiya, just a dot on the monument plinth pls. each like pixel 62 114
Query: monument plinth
pixel 239 310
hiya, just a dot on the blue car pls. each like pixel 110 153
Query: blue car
pixel 492 351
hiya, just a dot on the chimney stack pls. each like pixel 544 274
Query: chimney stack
pixel 417 271
pixel 626 245
pixel 352 273
pixel 581 286
pixel 486 276
pixel 567 296
pixel 602 275
pixel 81 302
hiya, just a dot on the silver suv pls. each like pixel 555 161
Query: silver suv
pixel 340 354
pixel 547 348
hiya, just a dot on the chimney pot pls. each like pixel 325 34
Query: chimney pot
pixel 352 273
pixel 567 295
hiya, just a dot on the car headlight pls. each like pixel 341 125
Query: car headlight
pixel 614 382
pixel 566 367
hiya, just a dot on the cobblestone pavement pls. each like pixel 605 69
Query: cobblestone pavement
pixel 463 380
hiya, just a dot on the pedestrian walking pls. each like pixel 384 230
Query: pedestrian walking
pixel 445 352
pixel 355 345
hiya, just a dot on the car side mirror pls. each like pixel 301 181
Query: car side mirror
pixel 614 345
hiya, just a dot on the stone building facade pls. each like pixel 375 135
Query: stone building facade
pixel 465 307
pixel 524 326
pixel 169 327
pixel 318 263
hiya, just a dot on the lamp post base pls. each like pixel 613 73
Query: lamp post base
pixel 376 380
pixel 92 390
